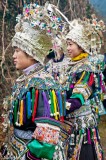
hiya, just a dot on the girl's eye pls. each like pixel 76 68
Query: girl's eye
pixel 70 44
pixel 17 50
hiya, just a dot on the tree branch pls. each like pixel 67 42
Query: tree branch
pixel 3 44
pixel 58 3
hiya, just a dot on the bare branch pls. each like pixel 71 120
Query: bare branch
pixel 58 3
pixel 3 51
pixel 3 44
pixel 7 47
pixel 72 12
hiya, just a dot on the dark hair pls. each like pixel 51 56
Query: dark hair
pixel 51 54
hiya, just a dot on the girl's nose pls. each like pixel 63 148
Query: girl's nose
pixel 68 48
pixel 14 54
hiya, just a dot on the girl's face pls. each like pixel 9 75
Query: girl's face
pixel 73 49
pixel 21 59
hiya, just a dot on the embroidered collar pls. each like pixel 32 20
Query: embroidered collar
pixel 30 68
pixel 80 57
pixel 36 69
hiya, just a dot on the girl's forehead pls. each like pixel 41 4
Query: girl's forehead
pixel 69 40
pixel 17 48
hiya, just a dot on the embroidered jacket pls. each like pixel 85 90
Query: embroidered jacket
pixel 38 95
pixel 86 84
pixel 28 99
pixel 84 100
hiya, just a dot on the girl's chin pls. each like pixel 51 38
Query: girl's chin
pixel 17 67
pixel 71 56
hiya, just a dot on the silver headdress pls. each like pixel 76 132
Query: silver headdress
pixel 87 34
pixel 38 28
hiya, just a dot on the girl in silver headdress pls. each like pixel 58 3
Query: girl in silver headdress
pixel 37 101
pixel 86 88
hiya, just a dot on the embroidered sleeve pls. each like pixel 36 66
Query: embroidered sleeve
pixel 82 90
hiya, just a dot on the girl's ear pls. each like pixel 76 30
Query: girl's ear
pixel 31 58
pixel 82 51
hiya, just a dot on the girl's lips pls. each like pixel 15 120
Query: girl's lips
pixel 15 62
pixel 69 53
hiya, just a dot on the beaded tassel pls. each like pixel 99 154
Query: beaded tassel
pixel 18 114
pixel 35 105
pixel 51 104
pixel 94 135
pixel 72 139
pixel 97 134
pixel 25 110
pixel 91 79
pixel 85 137
pixel 15 111
pixel 46 105
pixel 64 103
pixel 89 138
pixel 33 99
pixel 28 96
pixel 97 146
pixel 101 83
pixel 59 96
pixel 21 112
pixel 55 106
pixel 81 132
